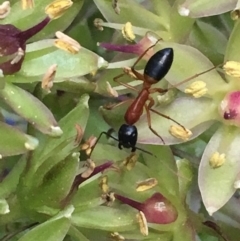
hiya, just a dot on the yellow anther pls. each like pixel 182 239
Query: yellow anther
pixel 18 56
pixel 111 91
pixel 117 237
pixel 66 43
pixel 235 14
pixel 146 184
pixel 26 4
pixel 79 134
pixel 4 9
pixel 98 23
pixel 47 81
pixel 232 68
pixel 130 161
pixel 115 6
pixel 142 223
pixel 90 165
pixel 104 184
pixel 57 8
pixel 180 133
pixel 127 32
pixel 197 89
pixel 87 146
pixel 217 160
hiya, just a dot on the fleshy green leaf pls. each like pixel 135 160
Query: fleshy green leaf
pixel 233 47
pixel 43 54
pixel 54 229
pixel 14 142
pixel 203 37
pixel 132 12
pixel 50 187
pixel 204 8
pixel 31 109
pixel 106 218
pixel 177 33
pixel 217 184
pixel 66 143
pixel 10 182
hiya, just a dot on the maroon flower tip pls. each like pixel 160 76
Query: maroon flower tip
pixel 228 115
pixel 80 179
pixel 13 45
pixel 137 48
pixel 229 108
pixel 157 209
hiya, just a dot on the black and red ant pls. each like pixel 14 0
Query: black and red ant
pixel 156 69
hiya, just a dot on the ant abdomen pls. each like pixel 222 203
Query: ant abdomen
pixel 158 65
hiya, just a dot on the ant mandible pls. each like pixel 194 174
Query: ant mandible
pixel 156 68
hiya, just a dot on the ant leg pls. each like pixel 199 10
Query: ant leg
pixel 159 90
pixel 151 104
pixel 168 117
pixel 150 125
pixel 111 106
pixel 116 79
pixel 99 137
pixel 195 76
pixel 141 56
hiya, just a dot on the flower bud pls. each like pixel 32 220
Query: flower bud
pixel 157 209
pixel 13 45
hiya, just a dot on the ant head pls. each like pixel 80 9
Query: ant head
pixel 127 136
pixel 158 65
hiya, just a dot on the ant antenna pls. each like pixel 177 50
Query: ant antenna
pixel 114 138
pixel 195 76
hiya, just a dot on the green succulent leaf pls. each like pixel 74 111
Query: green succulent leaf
pixel 106 218
pixel 43 54
pixel 185 173
pixel 131 11
pixel 52 151
pixel 51 230
pixel 14 142
pixel 225 141
pixel 50 187
pixel 232 47
pixel 31 109
pixel 203 37
pixel 177 33
pixel 10 182
pixel 66 143
pixel 204 8
pixel 163 168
